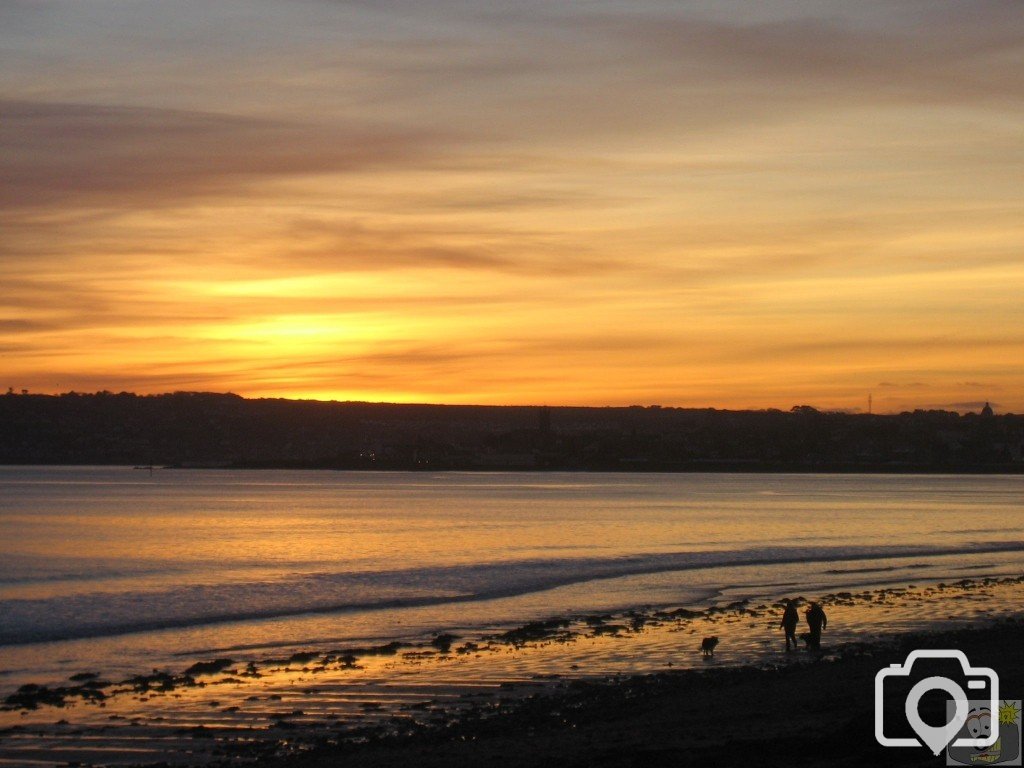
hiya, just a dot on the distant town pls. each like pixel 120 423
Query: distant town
pixel 210 430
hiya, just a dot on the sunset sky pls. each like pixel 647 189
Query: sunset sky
pixel 715 203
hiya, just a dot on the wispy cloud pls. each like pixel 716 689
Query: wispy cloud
pixel 88 155
pixel 681 202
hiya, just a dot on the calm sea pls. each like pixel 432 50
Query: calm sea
pixel 124 569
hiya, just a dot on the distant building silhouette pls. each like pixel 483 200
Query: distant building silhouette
pixel 987 410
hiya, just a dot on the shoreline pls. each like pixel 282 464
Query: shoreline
pixel 652 564
pixel 826 717
pixel 408 690
pixel 565 627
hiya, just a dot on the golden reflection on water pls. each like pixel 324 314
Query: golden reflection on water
pixel 183 526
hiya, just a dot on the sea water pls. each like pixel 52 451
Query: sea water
pixel 126 570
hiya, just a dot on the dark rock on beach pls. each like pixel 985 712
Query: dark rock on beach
pixel 443 642
pixel 815 713
pixel 535 631
pixel 209 667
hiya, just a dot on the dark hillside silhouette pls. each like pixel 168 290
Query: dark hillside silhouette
pixel 206 429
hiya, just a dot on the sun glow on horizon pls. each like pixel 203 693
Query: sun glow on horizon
pixel 634 203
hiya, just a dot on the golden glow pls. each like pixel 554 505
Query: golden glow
pixel 651 205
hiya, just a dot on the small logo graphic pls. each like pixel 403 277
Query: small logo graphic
pixel 979 680
pixel 1005 723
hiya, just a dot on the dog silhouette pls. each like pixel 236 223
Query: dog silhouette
pixel 707 645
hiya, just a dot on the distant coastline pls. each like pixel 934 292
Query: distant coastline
pixel 697 467
pixel 211 430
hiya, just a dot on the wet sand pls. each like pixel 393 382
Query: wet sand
pixel 815 713
pixel 560 684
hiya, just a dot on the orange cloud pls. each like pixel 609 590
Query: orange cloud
pixel 515 203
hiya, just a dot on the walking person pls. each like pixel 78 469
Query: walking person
pixel 790 618
pixel 817 621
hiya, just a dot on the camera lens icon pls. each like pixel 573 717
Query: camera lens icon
pixel 937 738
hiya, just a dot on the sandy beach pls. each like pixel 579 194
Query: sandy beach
pixel 814 713
pixel 608 689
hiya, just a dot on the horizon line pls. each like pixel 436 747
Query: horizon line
pixel 12 392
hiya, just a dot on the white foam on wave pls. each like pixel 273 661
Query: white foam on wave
pixel 96 614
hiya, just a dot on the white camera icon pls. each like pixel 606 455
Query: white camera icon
pixel 937 738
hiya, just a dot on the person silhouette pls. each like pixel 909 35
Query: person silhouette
pixel 790 618
pixel 817 621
